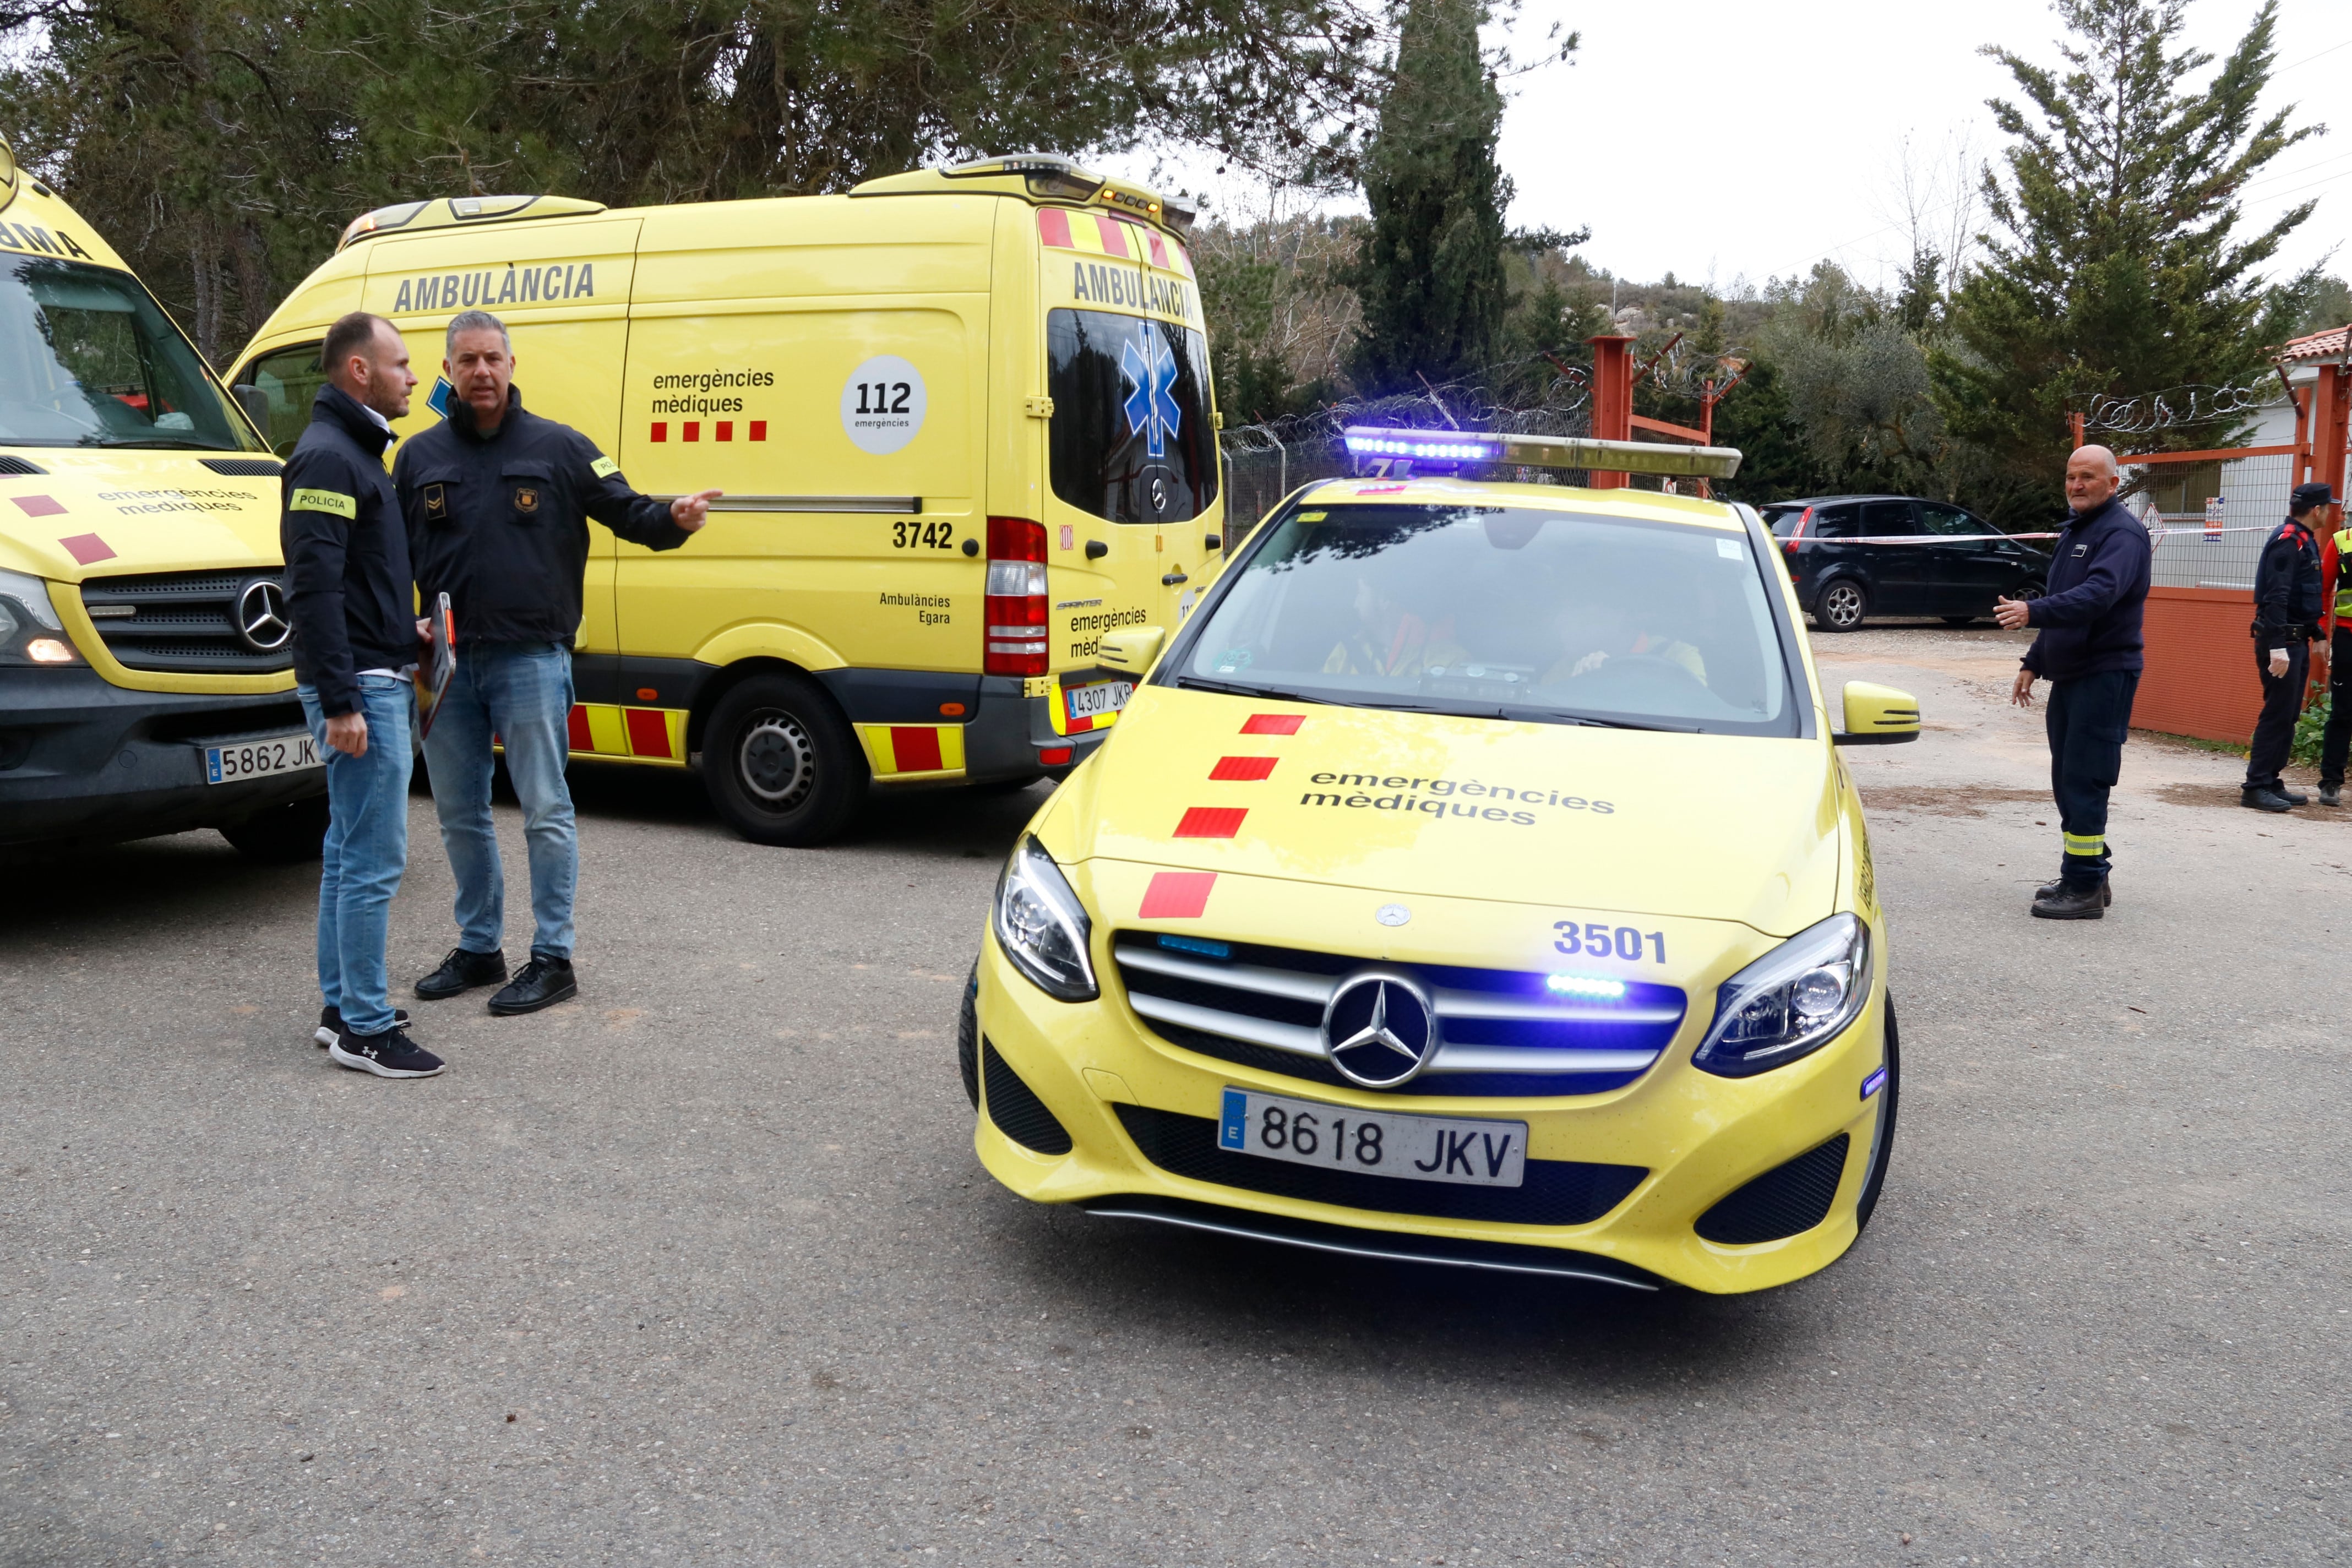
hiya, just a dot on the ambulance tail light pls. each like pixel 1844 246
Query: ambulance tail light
pixel 1013 612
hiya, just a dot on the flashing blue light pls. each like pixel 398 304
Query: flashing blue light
pixel 1585 986
pixel 1875 1082
pixel 1201 945
pixel 1439 451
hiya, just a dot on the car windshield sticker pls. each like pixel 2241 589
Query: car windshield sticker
pixel 1149 366
pixel 882 404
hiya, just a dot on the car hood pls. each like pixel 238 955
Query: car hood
pixel 98 513
pixel 1700 827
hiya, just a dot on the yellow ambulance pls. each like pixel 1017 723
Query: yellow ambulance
pixel 146 682
pixel 964 422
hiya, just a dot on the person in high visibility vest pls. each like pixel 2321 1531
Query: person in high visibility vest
pixel 2334 547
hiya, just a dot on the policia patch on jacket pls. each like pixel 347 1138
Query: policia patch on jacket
pixel 331 502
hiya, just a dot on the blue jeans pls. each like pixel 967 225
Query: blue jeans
pixel 365 852
pixel 521 693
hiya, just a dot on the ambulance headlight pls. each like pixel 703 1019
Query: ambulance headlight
pixel 1790 1001
pixel 1042 927
pixel 30 631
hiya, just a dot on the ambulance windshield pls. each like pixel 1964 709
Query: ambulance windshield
pixel 1131 435
pixel 1501 611
pixel 89 359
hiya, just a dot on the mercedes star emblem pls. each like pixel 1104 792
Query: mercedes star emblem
pixel 1380 1029
pixel 261 622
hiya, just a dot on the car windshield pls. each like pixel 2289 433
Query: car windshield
pixel 89 359
pixel 1501 611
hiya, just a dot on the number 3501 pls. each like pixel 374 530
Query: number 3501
pixel 1597 940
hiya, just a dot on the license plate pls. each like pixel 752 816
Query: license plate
pixel 1374 1144
pixel 1101 698
pixel 252 759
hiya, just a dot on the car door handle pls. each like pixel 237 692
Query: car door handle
pixel 1096 550
pixel 1173 578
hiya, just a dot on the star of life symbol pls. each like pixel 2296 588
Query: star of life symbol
pixel 1148 367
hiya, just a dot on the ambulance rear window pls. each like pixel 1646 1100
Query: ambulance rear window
pixel 1132 440
pixel 89 359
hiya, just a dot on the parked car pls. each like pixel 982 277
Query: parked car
pixel 1952 570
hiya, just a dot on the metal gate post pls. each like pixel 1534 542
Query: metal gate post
pixel 1612 398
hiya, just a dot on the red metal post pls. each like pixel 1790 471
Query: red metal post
pixel 2331 403
pixel 2076 421
pixel 1612 398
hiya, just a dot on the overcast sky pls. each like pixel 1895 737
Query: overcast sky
pixel 1723 139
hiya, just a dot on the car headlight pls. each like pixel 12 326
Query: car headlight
pixel 30 631
pixel 1790 1001
pixel 1042 926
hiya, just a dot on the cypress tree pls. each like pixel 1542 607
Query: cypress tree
pixel 1431 276
pixel 2119 268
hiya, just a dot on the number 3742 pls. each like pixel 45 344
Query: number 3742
pixel 1596 939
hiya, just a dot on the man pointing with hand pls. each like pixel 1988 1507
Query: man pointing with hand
pixel 496 502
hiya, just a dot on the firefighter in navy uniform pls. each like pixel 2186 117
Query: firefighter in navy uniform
pixel 2287 607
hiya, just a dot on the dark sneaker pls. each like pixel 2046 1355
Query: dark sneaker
pixel 2052 889
pixel 2083 903
pixel 389 1055
pixel 2264 799
pixel 2294 796
pixel 461 971
pixel 330 1024
pixel 2331 795
pixel 542 982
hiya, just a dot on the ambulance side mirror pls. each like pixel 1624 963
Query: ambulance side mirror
pixel 1131 650
pixel 1878 716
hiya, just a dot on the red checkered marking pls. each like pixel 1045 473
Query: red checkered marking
pixel 1241 770
pixel 42 505
pixel 87 549
pixel 577 724
pixel 1273 723
pixel 916 748
pixel 1177 895
pixel 648 731
pixel 1212 822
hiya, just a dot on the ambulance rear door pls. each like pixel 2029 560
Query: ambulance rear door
pixel 1131 449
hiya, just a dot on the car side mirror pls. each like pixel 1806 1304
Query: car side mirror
pixel 1132 650
pixel 1878 716
pixel 255 404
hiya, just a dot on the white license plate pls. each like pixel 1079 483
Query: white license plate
pixel 1374 1144
pixel 1093 702
pixel 252 759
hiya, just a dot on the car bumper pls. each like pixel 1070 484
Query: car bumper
pixel 81 759
pixel 1697 1139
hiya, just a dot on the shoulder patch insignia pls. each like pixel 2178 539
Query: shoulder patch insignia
pixel 526 498
pixel 436 502
pixel 603 468
pixel 333 502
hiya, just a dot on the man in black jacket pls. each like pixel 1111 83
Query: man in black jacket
pixel 348 595
pixel 2287 607
pixel 2090 648
pixel 496 502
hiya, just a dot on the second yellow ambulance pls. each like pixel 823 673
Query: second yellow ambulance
pixel 964 424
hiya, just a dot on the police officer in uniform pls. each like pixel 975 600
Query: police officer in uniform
pixel 2286 618
pixel 498 501
pixel 2335 562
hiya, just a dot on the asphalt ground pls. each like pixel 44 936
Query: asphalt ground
pixel 700 1267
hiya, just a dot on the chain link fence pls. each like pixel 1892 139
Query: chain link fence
pixel 2213 515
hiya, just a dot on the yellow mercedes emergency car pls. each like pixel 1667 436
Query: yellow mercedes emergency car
pixel 146 680
pixel 1475 878
pixel 962 417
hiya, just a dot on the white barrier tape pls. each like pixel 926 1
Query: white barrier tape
pixel 1913 539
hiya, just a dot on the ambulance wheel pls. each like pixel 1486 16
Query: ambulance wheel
pixel 281 835
pixel 967 1036
pixel 1881 1136
pixel 1841 605
pixel 781 763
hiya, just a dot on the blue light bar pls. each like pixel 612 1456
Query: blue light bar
pixel 1201 945
pixel 1435 447
pixel 1586 985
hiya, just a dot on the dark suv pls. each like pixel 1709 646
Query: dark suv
pixel 1934 561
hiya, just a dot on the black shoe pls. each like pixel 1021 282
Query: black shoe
pixel 542 982
pixel 2294 796
pixel 330 1024
pixel 2331 795
pixel 462 971
pixel 2075 904
pixel 2052 889
pixel 2264 799
pixel 389 1055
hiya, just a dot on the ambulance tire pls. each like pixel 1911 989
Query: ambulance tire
pixel 967 1036
pixel 1882 1137
pixel 281 835
pixel 780 763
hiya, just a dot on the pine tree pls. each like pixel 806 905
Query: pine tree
pixel 2119 269
pixel 1431 276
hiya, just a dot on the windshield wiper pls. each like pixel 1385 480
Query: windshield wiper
pixel 161 444
pixel 1231 688
pixel 1599 723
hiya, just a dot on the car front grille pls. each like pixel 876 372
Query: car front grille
pixel 1502 1032
pixel 1555 1191
pixel 182 622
